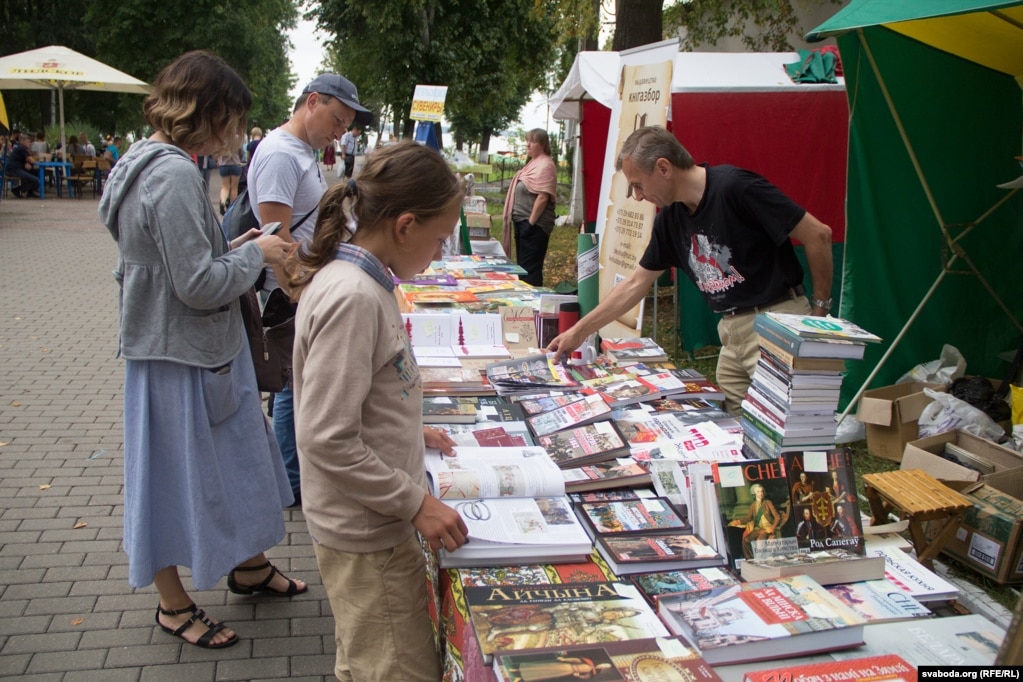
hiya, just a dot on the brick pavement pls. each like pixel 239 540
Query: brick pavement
pixel 66 610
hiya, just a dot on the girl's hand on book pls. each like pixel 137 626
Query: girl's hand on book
pixel 440 525
pixel 435 438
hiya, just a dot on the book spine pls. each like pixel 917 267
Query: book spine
pixel 775 352
pixel 763 426
pixel 785 340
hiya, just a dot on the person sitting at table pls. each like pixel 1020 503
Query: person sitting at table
pixel 113 151
pixel 40 148
pixel 22 164
pixel 87 147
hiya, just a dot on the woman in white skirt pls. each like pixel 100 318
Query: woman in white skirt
pixel 204 485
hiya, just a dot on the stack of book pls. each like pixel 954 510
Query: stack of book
pixel 795 389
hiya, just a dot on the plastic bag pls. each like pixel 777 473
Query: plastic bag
pixel 948 413
pixel 850 430
pixel 979 392
pixel 951 365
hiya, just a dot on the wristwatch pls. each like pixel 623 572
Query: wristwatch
pixel 818 303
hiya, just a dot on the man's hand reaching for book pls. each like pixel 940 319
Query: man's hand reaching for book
pixel 440 525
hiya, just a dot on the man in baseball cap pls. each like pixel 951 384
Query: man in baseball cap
pixel 285 185
pixel 341 89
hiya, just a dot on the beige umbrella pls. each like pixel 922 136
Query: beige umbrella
pixel 60 68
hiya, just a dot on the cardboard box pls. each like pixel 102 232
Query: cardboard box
pixel 891 413
pixel 479 225
pixel 991 538
pixel 924 454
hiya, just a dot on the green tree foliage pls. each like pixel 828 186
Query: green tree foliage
pixel 141 37
pixel 763 25
pixel 490 53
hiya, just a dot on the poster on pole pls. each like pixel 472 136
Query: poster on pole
pixel 624 224
pixel 428 103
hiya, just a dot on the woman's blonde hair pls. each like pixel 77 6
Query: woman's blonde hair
pixel 198 97
pixel 406 177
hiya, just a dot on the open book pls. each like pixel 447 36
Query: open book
pixel 513 501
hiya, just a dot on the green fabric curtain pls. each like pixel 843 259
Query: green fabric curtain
pixel 964 123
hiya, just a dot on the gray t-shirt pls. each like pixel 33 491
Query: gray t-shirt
pixel 283 170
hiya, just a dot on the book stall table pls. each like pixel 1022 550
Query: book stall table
pixel 919 497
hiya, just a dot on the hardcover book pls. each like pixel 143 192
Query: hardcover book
pixel 658 552
pixel 824 482
pixel 518 617
pixel 762 620
pixel 873 668
pixel 656 584
pixel 489 434
pixel 589 444
pixel 618 473
pixel 879 601
pixel 439 409
pixel 951 641
pixel 586 410
pixel 513 502
pixel 642 349
pixel 529 373
pixel 914 578
pixel 538 404
pixel 827 567
pixel 624 517
pixel 801 347
pixel 639 660
pixel 756 509
pixel 440 297
pixel 813 327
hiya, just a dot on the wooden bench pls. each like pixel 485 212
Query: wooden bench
pixel 919 497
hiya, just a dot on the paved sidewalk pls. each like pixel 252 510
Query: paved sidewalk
pixel 66 610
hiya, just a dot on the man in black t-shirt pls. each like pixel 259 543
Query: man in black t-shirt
pixel 730 231
pixel 21 163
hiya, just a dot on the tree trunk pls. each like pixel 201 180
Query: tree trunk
pixel 592 41
pixel 484 155
pixel 637 22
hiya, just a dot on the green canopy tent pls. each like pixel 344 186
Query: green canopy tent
pixel 933 245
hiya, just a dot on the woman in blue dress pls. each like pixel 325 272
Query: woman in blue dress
pixel 204 483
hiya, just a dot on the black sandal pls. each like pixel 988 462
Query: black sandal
pixel 264 586
pixel 199 615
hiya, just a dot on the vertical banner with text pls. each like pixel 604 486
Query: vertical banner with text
pixel 624 224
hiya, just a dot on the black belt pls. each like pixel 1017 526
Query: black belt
pixel 789 295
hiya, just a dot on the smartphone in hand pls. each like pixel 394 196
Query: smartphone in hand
pixel 269 228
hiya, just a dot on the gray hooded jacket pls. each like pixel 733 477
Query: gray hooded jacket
pixel 179 284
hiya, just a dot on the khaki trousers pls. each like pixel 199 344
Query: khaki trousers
pixel 740 350
pixel 381 624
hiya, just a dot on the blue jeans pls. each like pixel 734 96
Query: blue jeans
pixel 284 429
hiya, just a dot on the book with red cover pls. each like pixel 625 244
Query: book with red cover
pixel 462 654
pixel 762 620
pixel 658 659
pixel 873 668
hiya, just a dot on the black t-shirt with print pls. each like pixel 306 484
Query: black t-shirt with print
pixel 735 246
